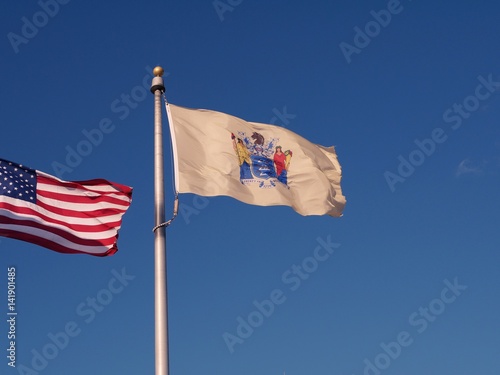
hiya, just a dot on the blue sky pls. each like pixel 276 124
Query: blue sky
pixel 406 91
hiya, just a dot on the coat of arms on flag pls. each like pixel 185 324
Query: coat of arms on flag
pixel 261 162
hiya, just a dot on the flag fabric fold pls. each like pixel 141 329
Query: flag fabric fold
pixel 64 216
pixel 219 154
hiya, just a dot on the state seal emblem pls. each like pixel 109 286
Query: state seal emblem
pixel 262 162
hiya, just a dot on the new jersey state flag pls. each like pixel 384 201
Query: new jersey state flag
pixel 65 216
pixel 219 154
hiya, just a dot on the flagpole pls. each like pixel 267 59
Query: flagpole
pixel 161 298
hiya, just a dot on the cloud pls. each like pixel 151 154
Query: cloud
pixel 468 167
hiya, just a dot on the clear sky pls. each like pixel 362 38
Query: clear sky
pixel 406 282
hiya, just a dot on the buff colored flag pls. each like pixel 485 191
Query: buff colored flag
pixel 219 154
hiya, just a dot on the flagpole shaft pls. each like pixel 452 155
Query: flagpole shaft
pixel 161 296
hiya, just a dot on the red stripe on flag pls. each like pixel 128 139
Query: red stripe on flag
pixel 86 199
pixel 29 225
pixel 96 185
pixel 27 211
pixel 80 214
pixel 54 245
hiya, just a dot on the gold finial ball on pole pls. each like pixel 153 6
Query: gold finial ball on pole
pixel 157 83
pixel 158 71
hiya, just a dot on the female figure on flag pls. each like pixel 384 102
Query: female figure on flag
pixel 282 161
pixel 244 159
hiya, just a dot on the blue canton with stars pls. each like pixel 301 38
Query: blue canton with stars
pixel 17 181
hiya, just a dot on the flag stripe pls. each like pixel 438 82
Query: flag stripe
pixel 80 225
pixel 86 199
pixel 96 185
pixel 87 238
pixel 82 195
pixel 84 218
pixel 54 243
pixel 83 206
pixel 121 195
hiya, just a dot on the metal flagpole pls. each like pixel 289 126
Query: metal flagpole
pixel 161 298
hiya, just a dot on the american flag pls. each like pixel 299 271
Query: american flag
pixel 64 216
